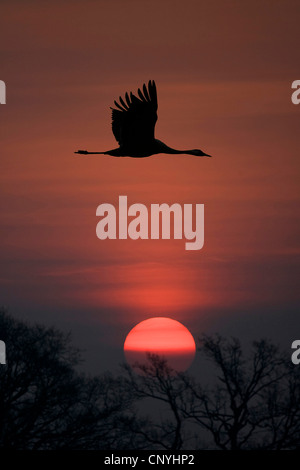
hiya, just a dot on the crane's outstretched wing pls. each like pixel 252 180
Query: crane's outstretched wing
pixel 134 121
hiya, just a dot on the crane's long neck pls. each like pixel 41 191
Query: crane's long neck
pixel 174 151
pixel 163 148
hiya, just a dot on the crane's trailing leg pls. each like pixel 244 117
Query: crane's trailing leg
pixel 85 152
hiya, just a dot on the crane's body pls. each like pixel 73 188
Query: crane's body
pixel 133 126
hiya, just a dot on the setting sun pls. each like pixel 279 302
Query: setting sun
pixel 162 336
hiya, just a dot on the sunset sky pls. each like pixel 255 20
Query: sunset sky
pixel 223 71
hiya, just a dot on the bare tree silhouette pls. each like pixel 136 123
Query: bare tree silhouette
pixel 253 401
pixel 156 381
pixel 46 404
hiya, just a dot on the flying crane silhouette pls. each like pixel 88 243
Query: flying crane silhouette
pixel 133 126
